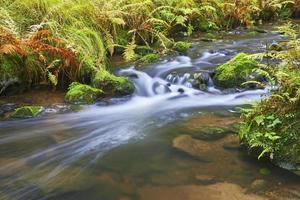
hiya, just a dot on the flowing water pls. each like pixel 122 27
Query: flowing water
pixel 123 148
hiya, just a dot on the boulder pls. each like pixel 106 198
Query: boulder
pixel 235 72
pixel 111 84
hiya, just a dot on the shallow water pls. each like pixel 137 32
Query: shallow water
pixel 122 148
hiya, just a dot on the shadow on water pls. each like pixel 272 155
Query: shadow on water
pixel 156 144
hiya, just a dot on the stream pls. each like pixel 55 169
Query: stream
pixel 132 148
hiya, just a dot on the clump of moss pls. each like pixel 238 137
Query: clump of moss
pixel 112 84
pixel 82 94
pixel 27 112
pixel 181 46
pixel 235 72
pixel 149 58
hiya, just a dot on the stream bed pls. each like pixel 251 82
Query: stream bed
pixel 166 141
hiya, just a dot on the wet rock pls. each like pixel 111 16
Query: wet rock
pixel 235 72
pixel 1 113
pixel 82 94
pixel 27 112
pixel 181 90
pixel 191 146
pixel 111 84
pixel 218 191
pixel 8 107
pixel 159 88
pixel 201 80
pixel 258 185
pixel 205 179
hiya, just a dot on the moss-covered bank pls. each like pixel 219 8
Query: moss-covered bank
pixel 271 128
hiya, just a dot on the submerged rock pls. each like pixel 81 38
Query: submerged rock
pixel 258 185
pixel 201 80
pixel 210 133
pixel 82 94
pixel 191 146
pixel 27 112
pixel 112 84
pixel 235 72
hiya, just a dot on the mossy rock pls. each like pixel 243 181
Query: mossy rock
pixel 82 94
pixel 181 46
pixel 27 112
pixel 149 58
pixel 210 133
pixel 111 84
pixel 235 72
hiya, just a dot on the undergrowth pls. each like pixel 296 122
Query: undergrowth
pixel 71 40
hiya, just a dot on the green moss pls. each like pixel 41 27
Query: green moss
pixel 27 112
pixel 82 94
pixel 149 58
pixel 112 84
pixel 182 46
pixel 235 72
